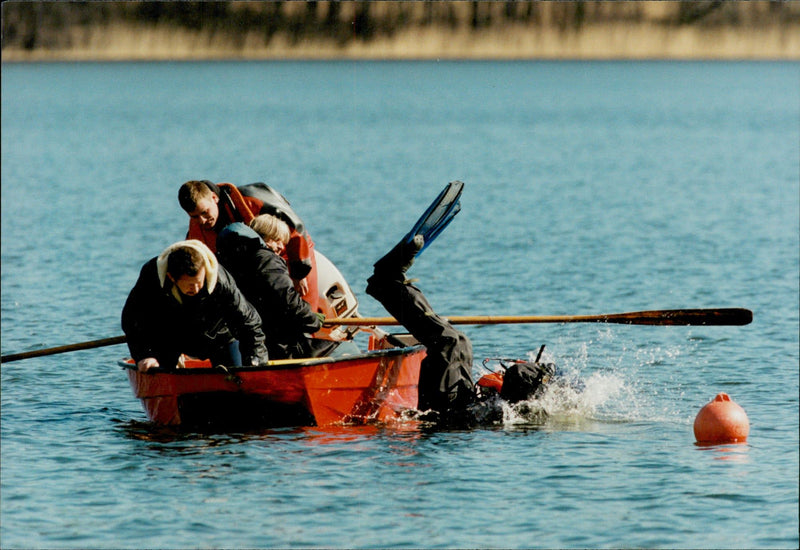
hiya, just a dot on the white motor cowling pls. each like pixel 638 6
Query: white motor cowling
pixel 336 299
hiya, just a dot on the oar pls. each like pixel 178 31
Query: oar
pixel 725 316
pixel 63 349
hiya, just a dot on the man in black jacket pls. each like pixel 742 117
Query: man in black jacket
pixel 185 302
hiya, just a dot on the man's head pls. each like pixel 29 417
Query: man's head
pixel 200 202
pixel 273 230
pixel 186 269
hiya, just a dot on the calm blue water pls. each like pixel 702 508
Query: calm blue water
pixel 590 188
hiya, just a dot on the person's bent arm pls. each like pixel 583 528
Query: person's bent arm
pixel 279 295
pixel 138 316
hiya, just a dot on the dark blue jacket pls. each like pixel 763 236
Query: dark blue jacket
pixel 263 278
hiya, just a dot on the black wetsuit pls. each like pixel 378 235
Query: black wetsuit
pixel 445 381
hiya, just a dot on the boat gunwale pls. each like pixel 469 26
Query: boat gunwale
pixel 280 364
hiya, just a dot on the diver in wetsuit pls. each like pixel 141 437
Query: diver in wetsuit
pixel 445 383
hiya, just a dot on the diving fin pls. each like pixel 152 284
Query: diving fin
pixel 438 215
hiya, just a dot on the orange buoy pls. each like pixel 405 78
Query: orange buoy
pixel 721 421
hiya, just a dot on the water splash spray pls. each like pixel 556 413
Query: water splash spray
pixel 606 391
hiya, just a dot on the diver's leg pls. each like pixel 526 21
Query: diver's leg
pixel 446 373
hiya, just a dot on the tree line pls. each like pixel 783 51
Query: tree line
pixel 31 25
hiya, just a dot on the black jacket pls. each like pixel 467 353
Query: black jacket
pixel 263 278
pixel 157 325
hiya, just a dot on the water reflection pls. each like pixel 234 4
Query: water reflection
pixel 530 415
pixel 733 452
pixel 212 437
pixel 312 435
pixel 336 434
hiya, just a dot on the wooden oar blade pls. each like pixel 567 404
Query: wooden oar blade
pixel 700 317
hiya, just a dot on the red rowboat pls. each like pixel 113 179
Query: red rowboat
pixel 374 386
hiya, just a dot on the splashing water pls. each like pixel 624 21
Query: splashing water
pixel 613 395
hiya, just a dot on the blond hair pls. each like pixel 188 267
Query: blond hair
pixel 271 228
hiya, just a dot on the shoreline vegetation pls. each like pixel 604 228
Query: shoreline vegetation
pixel 173 31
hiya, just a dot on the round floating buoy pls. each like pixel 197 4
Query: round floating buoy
pixel 721 421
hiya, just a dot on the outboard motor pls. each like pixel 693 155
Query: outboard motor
pixel 336 299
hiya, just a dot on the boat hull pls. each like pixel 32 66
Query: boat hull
pixel 376 386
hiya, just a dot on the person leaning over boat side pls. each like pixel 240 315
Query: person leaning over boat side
pixel 445 379
pixel 252 256
pixel 211 207
pixel 185 302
